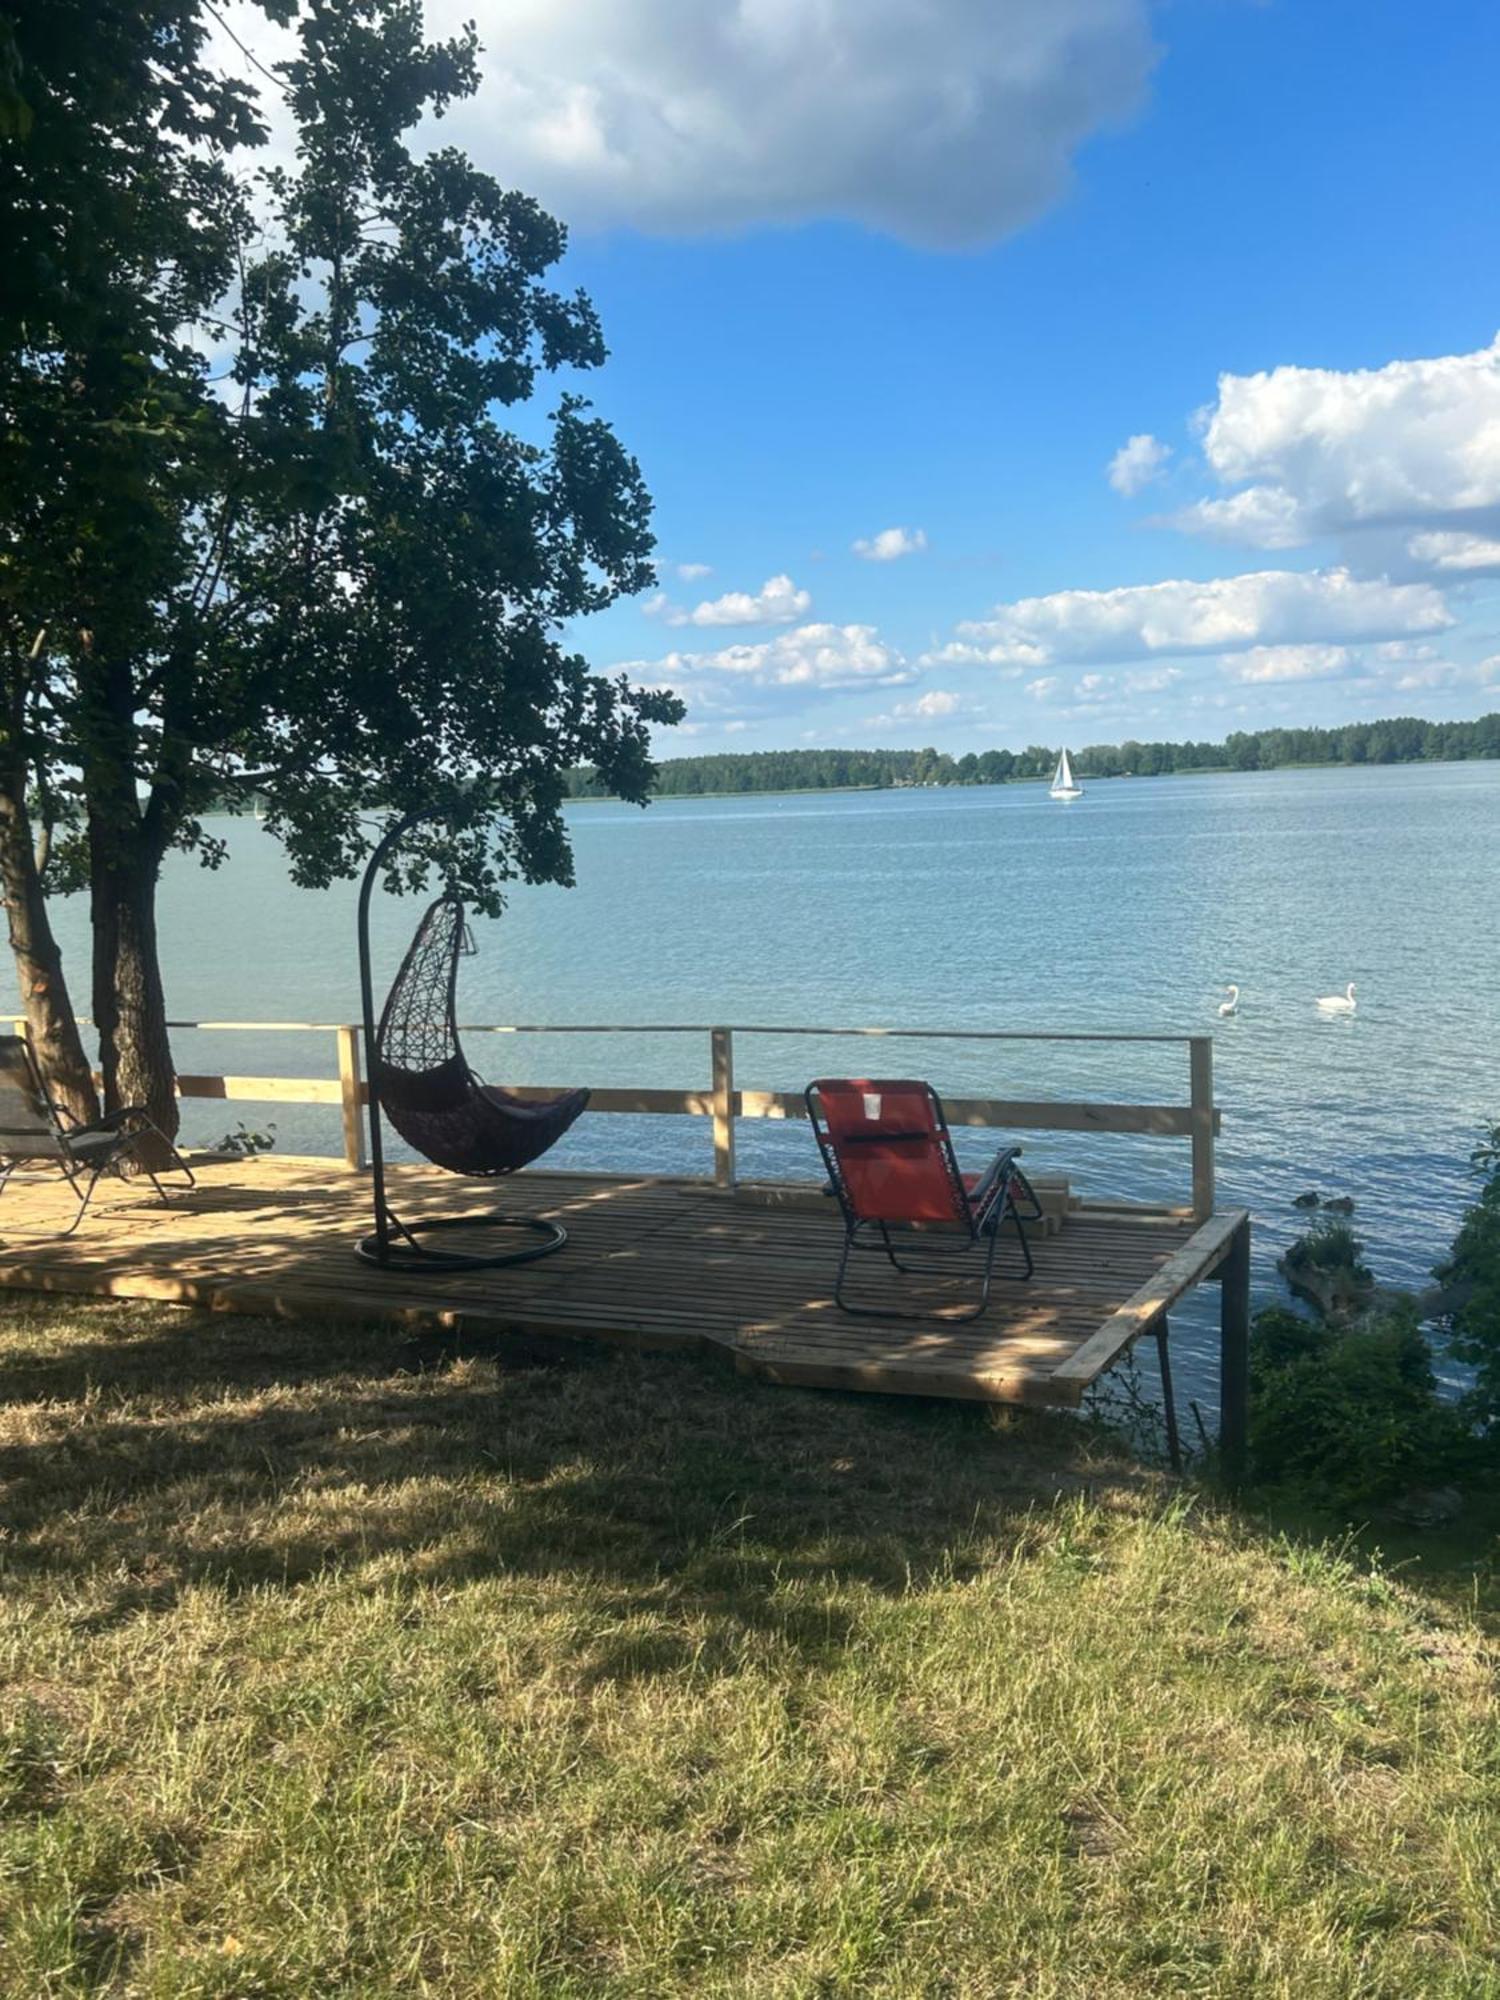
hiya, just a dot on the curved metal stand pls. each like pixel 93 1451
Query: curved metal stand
pixel 392 1244
pixel 414 1256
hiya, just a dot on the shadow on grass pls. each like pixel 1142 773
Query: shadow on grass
pixel 148 1450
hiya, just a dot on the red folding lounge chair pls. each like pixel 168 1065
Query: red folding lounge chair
pixel 891 1163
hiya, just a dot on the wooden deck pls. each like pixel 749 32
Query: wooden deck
pixel 648 1262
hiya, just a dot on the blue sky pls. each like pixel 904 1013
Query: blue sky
pixel 868 265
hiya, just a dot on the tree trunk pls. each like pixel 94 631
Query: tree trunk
pixel 52 1025
pixel 129 1004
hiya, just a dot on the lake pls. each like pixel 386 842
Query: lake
pixel 990 907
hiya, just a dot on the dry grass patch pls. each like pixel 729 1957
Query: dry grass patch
pixel 326 1672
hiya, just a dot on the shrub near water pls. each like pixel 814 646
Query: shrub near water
pixel 1351 1413
pixel 1348 1409
pixel 1474 1271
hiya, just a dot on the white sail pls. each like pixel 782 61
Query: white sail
pixel 1064 784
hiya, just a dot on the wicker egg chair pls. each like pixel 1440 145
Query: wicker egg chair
pixel 421 1083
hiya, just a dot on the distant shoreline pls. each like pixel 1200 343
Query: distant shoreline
pixel 1402 739
pixel 1007 784
pixel 220 811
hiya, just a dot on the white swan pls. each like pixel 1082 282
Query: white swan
pixel 1231 1005
pixel 1337 1003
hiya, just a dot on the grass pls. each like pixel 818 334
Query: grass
pixel 332 1668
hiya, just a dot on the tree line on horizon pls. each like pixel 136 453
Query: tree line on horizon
pixel 1399 740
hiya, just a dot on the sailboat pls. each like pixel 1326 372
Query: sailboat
pixel 1064 784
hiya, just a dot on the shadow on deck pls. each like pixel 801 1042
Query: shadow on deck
pixel 649 1263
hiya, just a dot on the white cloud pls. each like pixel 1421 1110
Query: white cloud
pixel 1404 649
pixel 947 124
pixel 691 572
pixel 777 602
pixel 1435 674
pixel 1043 687
pixel 930 706
pixel 1290 663
pixel 1010 660
pixel 950 123
pixel 1440 673
pixel 891 544
pixel 937 705
pixel 811 657
pixel 1151 680
pixel 1138 461
pixel 1456 553
pixel 1224 614
pixel 1261 517
pixel 1319 451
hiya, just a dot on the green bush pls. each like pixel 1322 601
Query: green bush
pixel 1350 1414
pixel 1330 1245
pixel 1473 1271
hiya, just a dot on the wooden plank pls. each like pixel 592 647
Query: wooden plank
pixel 724 1105
pixel 1017 1385
pixel 650 1263
pixel 761 1028
pixel 1170 1121
pixel 264 1089
pixel 1198 1259
pixel 969 1034
pixel 1159 1120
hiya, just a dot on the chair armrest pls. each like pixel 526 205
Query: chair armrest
pixel 999 1168
pixel 112 1121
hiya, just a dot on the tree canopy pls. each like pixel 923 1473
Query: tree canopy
pixel 268 524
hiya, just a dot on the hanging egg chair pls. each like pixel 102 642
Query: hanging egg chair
pixel 420 1082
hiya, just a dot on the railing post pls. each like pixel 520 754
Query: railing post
pixel 349 1097
pixel 1201 1077
pixel 723 1087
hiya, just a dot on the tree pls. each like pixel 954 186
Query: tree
pixel 324 570
pixel 113 138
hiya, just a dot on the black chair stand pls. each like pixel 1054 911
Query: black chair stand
pixel 420 1082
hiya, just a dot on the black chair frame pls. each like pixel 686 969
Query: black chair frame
pixel 395 1242
pixel 987 1205
pixel 87 1150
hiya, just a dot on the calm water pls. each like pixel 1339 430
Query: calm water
pixel 987 908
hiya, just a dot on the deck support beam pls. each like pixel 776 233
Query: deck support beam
pixel 1234 1355
pixel 1168 1401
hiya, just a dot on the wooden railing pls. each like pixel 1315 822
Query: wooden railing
pixel 1196 1121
